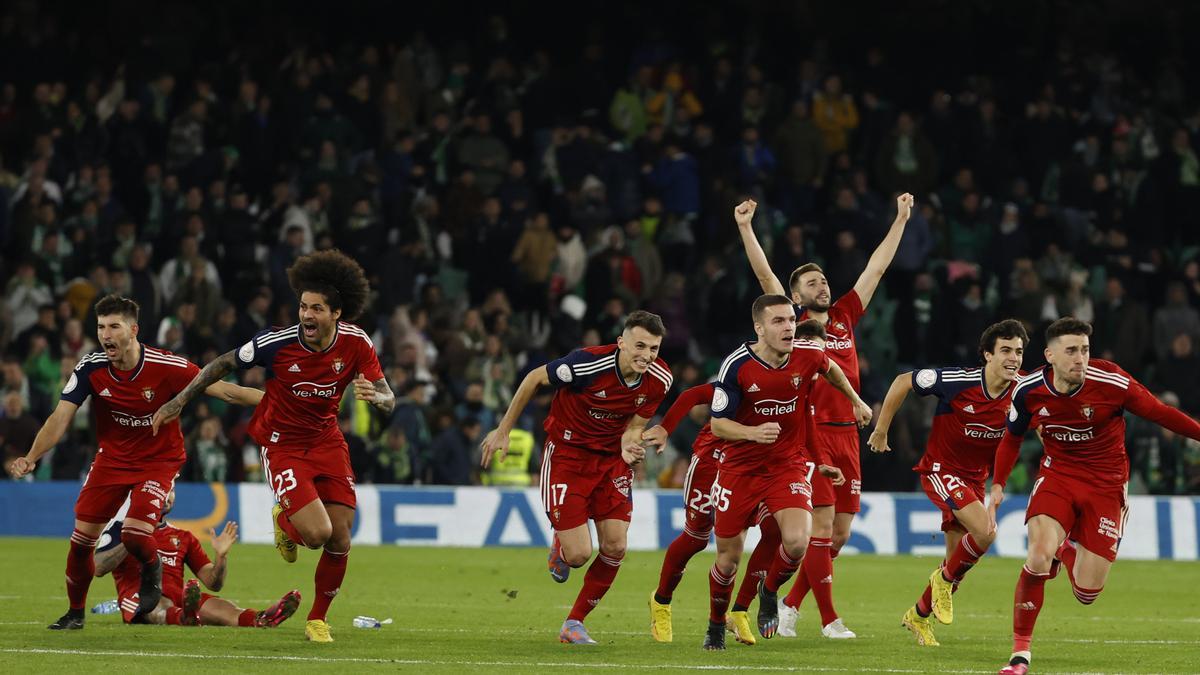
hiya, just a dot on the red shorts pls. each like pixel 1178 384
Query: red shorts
pixel 950 493
pixel 697 495
pixel 577 484
pixel 105 489
pixel 739 499
pixel 841 444
pixel 298 478
pixel 1093 517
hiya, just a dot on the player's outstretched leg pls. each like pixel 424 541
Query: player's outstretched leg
pixel 920 627
pixel 679 553
pixel 81 567
pixel 191 603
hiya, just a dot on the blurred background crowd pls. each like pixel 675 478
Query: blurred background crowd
pixel 515 186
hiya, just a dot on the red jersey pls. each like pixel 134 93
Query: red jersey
pixel 304 386
pixel 967 425
pixel 176 548
pixel 124 401
pixel 829 404
pixel 594 403
pixel 1083 432
pixel 751 392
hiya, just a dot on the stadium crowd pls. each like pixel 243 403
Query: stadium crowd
pixel 512 201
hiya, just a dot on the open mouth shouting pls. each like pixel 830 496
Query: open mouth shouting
pixel 110 349
pixel 310 329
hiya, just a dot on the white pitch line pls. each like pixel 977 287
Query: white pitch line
pixel 433 662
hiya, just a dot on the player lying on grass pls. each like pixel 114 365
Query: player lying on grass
pixel 184 604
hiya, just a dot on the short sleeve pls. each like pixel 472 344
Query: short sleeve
pixel 182 377
pixel 928 382
pixel 577 368
pixel 852 305
pixel 1018 414
pixel 78 386
pixel 196 558
pixel 252 353
pixel 369 363
pixel 111 538
pixel 727 393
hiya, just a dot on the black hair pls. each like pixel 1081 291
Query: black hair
pixel 334 275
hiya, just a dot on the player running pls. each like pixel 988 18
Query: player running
pixel 1077 508
pixel 967 426
pixel 595 434
pixel 304 454
pixel 698 525
pixel 184 604
pixel 760 409
pixel 127 381
pixel 836 436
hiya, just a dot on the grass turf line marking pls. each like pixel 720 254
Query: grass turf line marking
pixel 432 662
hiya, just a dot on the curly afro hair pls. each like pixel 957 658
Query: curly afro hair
pixel 334 275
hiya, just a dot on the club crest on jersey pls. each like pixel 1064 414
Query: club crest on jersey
pixel 1087 412
pixel 148 393
pixel 839 325
pixel 175 541
pixel 640 400
pixel 795 381
pixel 338 365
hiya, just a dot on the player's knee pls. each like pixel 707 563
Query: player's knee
pixel 1038 560
pixel 317 536
pixel 839 539
pixel 613 549
pixel 577 558
pixel 984 539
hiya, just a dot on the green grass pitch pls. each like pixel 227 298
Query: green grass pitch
pixel 458 610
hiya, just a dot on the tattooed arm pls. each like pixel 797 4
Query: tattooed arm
pixel 377 393
pixel 213 372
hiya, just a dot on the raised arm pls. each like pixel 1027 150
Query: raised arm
pixel 837 378
pixel 891 405
pixel 1146 405
pixel 47 437
pixel 497 439
pixel 868 281
pixel 743 214
pixel 212 575
pixel 209 375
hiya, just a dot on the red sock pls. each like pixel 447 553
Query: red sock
pixel 289 529
pixel 685 546
pixel 331 569
pixel 760 561
pixel 596 583
pixel 81 567
pixel 818 567
pixel 800 589
pixel 174 616
pixel 782 569
pixel 720 588
pixel 140 545
pixel 1067 554
pixel 1085 596
pixel 964 557
pixel 1027 603
pixel 247 617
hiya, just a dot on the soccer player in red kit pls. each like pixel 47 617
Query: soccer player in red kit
pixel 184 604
pixel 834 506
pixel 760 407
pixel 127 382
pixel 1077 506
pixel 305 456
pixel 967 426
pixel 698 525
pixel 595 434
